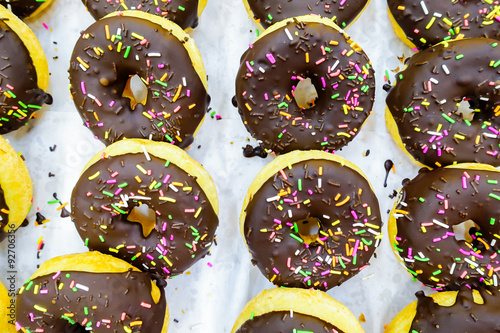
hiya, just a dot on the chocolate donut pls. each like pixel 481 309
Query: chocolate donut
pixel 450 311
pixel 424 226
pixel 311 220
pixel 16 190
pixel 147 203
pixel 7 310
pixel 90 292
pixel 26 9
pixel 165 58
pixel 422 23
pixel 292 51
pixel 423 112
pixel 184 13
pixel 267 12
pixel 295 310
pixel 24 75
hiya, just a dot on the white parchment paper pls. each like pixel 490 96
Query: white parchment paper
pixel 209 299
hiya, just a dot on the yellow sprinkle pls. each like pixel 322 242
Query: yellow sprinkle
pixel 39 308
pixel 83 63
pixel 167 199
pixel 197 213
pixel 177 184
pixel 348 54
pixel 164 77
pixel 334 42
pixel 135 35
pixel 138 179
pixel 119 47
pixel 343 201
pixel 191 106
pixel 178 92
pixel 320 171
pixel 401 7
pixel 124 5
pixel 273 278
pixel 106 29
pixel 136 323
pixel 141 169
pixel 429 25
pixel 147 115
pixel 307 57
pixel 285 114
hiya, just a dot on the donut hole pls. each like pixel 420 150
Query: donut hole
pixel 463 231
pixel 74 328
pixel 305 94
pixel 145 216
pixel 308 229
pixel 467 108
pixel 136 90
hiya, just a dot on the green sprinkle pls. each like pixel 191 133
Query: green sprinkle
pixel 257 32
pixel 161 83
pixel 86 310
pixel 299 184
pixel 127 51
pixel 360 232
pixel 400 76
pixel 341 262
pixel 445 116
pixel 167 163
pixel 89 324
pixel 351 77
pixel 101 238
pixel 421 199
pixel 11 94
pixel 421 259
pixel 494 44
pixel 169 138
pixel 181 8
pixel 252 315
pixel 495 65
pixel 122 185
pixel 492 181
pixel 189 245
pixel 53 201
pixel 133 258
pixel 494 196
pixel 68 275
pixel 386 75
pixel 467 122
pixel 118 209
pixel 282 104
pixel 86 243
pixel 412 272
pixel 297 238
pixel 327 49
pixel 436 272
pixel 29 285
pixel 68 319
pixel 324 143
pixel 460 56
pixel 22 104
pixel 397 248
pixel 367 243
pixel 270 17
pixel 492 221
pixel 335 96
pixel 109 194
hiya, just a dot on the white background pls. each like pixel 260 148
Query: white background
pixel 209 299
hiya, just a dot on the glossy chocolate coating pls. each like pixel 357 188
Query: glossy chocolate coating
pixel 101 307
pixel 94 206
pixel 4 215
pixel 431 204
pixel 166 116
pixel 20 95
pixel 281 321
pixel 268 75
pixel 435 21
pixel 346 219
pixel 268 12
pixel 182 12
pixel 464 316
pixel 22 8
pixel 431 128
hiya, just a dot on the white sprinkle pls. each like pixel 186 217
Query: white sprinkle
pixel 276 240
pixel 434 133
pixel 297 252
pixel 273 198
pixel 184 83
pixel 137 57
pixel 288 34
pixel 424 7
pixel 83 68
pixel 291 313
pixel 490 135
pixel 493 242
pixel 497 87
pixel 404 204
pixel 335 65
pixel 421 255
pixel 146 153
pixel 262 70
pixel 377 242
pixel 433 80
pixel 409 260
pixel 90 96
pixel 297 270
pixel 319 182
pixel 438 14
pixel 495 280
pixel 441 224
pixel 154 54
pixel 119 31
pixel 376 233
pixel 445 69
pixel 326 217
pixel 173 188
pixel 290 215
pixel 82 287
pixel 480 271
pixel 358 224
pixel 397 215
pixel 452 269
pixel 139 197
pixel 484 98
pixel 442 101
pixel 470 262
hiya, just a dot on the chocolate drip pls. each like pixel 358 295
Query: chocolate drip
pixel 388 164
pixel 22 8
pixel 434 21
pixel 183 12
pixel 283 321
pixel 269 11
pixel 464 316
pixel 112 301
pixel 250 151
pixel 4 215
pixel 21 96
pixel 431 205
pixel 322 192
pixel 176 98
pixel 424 103
pixel 270 71
pixel 184 220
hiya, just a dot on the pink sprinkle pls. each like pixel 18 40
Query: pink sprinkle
pixel 167 177
pixel 145 305
pixel 177 108
pixel 161 65
pixel 118 191
pixel 249 67
pixel 440 196
pixel 277 221
pixel 441 212
pixel 111 103
pixel 464 183
pixel 45 26
pixel 150 257
pixel 82 86
pixel 283 174
pixel 310 192
pixel 269 57
pixel 56 275
pixel 320 61
pixel 464 273
pixel 266 97
pixel 435 240
pixel 166 270
pixel 323 82
pixel 209 265
pixel 189 210
pixel 353 213
pixel 276 271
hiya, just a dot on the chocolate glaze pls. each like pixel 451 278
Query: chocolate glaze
pixel 462 317
pixel 22 8
pixel 166 253
pixel 185 18
pixel 344 215
pixel 281 321
pixel 4 215
pixel 279 122
pixel 109 295
pixel 439 200
pixel 20 95
pixel 107 113
pixel 269 11
pixel 430 137
pixel 443 20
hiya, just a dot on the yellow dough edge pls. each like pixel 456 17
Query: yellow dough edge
pixel 16 185
pixel 282 162
pixel 4 303
pixel 181 35
pixel 31 43
pixel 313 303
pixel 261 27
pixel 392 227
pixel 402 321
pixel 399 32
pixel 164 151
pixel 95 262
pixel 46 4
